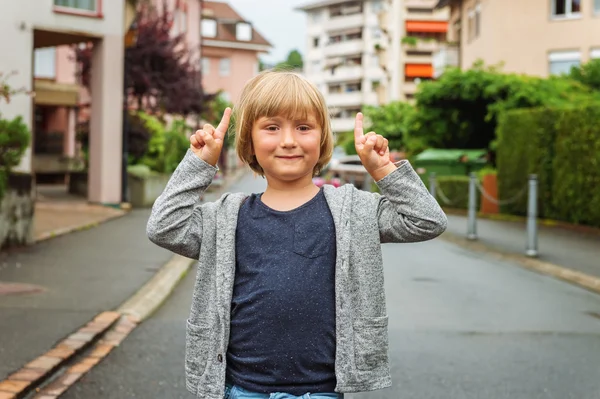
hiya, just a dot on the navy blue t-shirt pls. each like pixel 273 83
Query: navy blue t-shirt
pixel 283 306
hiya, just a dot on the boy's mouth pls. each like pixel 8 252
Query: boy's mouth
pixel 289 156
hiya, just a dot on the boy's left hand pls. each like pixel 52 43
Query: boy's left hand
pixel 373 151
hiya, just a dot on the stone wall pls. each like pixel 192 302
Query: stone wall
pixel 17 206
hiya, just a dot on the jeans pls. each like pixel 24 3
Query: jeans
pixel 236 392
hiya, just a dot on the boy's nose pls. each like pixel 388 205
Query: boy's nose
pixel 287 139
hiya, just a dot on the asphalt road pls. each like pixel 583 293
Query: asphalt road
pixel 462 326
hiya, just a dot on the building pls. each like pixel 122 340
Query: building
pixel 45 24
pixel 341 57
pixel 544 37
pixel 230 50
pixel 414 30
pixel 370 52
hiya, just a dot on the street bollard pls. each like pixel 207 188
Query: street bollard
pixel 472 221
pixel 532 233
pixel 432 183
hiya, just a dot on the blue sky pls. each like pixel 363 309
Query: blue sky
pixel 278 22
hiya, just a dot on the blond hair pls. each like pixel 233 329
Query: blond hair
pixel 280 93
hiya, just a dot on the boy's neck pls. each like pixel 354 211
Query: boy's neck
pixel 282 196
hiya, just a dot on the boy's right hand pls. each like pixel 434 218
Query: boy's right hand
pixel 208 142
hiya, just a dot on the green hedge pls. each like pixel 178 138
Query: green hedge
pixel 456 189
pixel 561 146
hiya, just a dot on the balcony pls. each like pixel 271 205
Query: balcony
pixel 384 19
pixel 344 22
pixel 426 26
pixel 422 45
pixel 341 125
pixel 409 88
pixel 344 48
pixel 434 15
pixel 420 3
pixel 417 59
pixel 348 99
pixel 345 73
pixel 383 58
pixel 446 56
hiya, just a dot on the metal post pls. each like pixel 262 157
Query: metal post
pixel 432 183
pixel 472 221
pixel 125 136
pixel 532 234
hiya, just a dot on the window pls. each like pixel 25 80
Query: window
pixel 377 6
pixel 562 62
pixel 375 85
pixel 353 87
pixel 595 53
pixel 597 6
pixel 377 33
pixel 316 17
pixel 243 31
pixel 477 19
pixel 45 63
pixel 316 66
pixel 315 42
pixel 566 8
pixel 205 66
pixel 209 28
pixel 224 67
pixel 471 24
pixel 179 22
pixel 84 5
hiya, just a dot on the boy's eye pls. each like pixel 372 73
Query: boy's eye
pixel 304 128
pixel 272 128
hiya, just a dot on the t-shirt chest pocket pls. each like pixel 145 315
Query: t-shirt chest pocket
pixel 312 238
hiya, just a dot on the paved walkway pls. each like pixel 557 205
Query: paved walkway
pixel 571 249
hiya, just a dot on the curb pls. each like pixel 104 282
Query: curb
pixel 591 283
pixel 25 380
pixel 502 217
pixel 72 229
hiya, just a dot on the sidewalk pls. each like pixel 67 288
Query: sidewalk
pixel 559 246
pixel 69 280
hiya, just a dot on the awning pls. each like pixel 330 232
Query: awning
pixel 426 26
pixel 57 94
pixel 418 70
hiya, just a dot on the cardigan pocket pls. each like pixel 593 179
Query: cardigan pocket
pixel 370 342
pixel 197 345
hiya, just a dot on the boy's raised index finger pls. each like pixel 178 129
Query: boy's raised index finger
pixel 358 126
pixel 224 124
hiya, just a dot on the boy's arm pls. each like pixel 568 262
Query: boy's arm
pixel 176 219
pixel 406 211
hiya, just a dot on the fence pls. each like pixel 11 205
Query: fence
pixel 531 244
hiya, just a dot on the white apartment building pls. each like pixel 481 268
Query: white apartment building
pixel 370 52
pixel 342 57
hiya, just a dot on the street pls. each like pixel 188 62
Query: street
pixel 462 325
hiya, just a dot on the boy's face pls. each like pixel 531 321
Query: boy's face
pixel 287 150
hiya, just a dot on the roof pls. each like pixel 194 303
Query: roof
pixel 452 155
pixel 226 18
pixel 319 4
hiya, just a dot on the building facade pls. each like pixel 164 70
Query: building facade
pixel 371 52
pixel 230 50
pixel 341 56
pixel 543 37
pixel 38 31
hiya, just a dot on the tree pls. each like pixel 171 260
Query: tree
pixel 293 61
pixel 460 109
pixel 588 74
pixel 159 72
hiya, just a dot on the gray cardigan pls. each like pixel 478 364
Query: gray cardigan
pixel 405 212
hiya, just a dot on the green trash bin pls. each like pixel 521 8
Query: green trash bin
pixel 449 162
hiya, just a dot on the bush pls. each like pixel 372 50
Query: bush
pixel 576 165
pixel 526 146
pixel 560 145
pixel 14 140
pixel 455 189
pixel 167 146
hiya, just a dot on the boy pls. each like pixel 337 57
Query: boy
pixel 289 298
